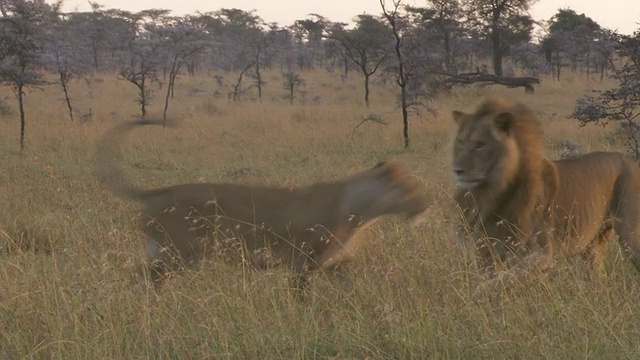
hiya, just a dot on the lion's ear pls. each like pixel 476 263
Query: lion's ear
pixel 458 116
pixel 504 121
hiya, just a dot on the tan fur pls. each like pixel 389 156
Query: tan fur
pixel 304 228
pixel 521 209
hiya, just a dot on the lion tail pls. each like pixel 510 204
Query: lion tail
pixel 109 156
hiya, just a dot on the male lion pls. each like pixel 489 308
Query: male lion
pixel 519 207
pixel 305 228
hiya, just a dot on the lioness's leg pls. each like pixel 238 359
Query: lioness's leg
pixel 157 271
pixel 596 251
pixel 301 269
pixel 157 267
pixel 342 272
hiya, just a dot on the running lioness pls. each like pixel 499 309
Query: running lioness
pixel 304 228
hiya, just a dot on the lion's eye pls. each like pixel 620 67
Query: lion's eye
pixel 480 145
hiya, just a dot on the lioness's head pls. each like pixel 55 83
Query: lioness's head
pixel 493 143
pixel 394 191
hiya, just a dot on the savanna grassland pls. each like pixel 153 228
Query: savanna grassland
pixel 72 262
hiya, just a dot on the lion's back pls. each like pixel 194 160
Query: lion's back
pixel 587 188
pixel 591 176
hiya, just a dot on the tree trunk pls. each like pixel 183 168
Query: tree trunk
pixel 236 88
pixel 405 117
pixel 547 57
pixel 64 80
pixel 258 77
pixel 94 48
pixel 291 88
pixel 447 52
pixel 22 119
pixel 175 67
pixel 366 88
pixel 143 97
pixel 402 77
pixel 402 82
pixel 497 51
pixel 558 65
pixel 345 60
pixel 588 60
pixel 2 9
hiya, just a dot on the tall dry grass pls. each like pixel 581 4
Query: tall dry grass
pixel 72 264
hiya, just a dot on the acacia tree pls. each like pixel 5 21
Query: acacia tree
pixel 261 52
pixel 22 32
pixel 141 69
pixel 239 44
pixel 108 32
pixel 442 21
pixel 417 61
pixel 621 103
pixel 291 82
pixel 335 52
pixel 572 35
pixel 308 34
pixel 235 31
pixel 604 49
pixel 67 54
pixel 142 59
pixel 393 18
pixel 179 43
pixel 504 23
pixel 368 45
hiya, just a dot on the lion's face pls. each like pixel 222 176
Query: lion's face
pixel 484 150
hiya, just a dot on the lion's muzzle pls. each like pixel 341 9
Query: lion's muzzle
pixel 467 181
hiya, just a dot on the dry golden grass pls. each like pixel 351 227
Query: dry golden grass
pixel 71 256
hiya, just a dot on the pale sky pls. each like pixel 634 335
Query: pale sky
pixel 623 15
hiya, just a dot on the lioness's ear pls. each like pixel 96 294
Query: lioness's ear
pixel 457 116
pixel 503 121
